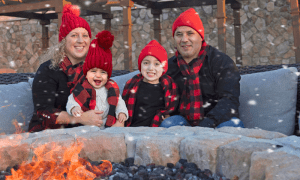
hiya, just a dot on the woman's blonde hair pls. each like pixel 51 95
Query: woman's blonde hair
pixel 55 53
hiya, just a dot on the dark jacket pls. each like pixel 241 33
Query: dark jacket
pixel 220 86
pixel 50 95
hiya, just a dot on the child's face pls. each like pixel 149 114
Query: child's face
pixel 97 77
pixel 151 69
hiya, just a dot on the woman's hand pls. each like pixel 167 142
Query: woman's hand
pixel 91 118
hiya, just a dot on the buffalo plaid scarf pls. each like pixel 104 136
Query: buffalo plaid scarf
pixel 191 103
pixel 171 98
pixel 85 94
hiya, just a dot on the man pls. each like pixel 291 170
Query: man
pixel 208 79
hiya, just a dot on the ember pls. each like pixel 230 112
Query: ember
pixel 49 166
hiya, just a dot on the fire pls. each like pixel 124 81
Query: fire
pixel 18 127
pixel 49 165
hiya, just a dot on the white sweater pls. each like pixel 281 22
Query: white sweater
pixel 101 104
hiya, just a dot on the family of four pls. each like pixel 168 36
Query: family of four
pixel 199 86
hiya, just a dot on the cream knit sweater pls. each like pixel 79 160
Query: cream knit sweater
pixel 101 104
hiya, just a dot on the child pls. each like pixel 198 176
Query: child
pixel 150 96
pixel 97 69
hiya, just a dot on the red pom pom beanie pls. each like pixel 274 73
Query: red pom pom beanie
pixel 70 20
pixel 153 48
pixel 189 18
pixel 99 54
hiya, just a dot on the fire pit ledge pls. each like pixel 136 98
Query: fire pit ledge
pixel 246 153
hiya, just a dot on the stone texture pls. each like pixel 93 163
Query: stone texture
pixel 274 166
pixel 158 150
pixel 11 156
pixel 146 27
pixel 33 58
pixel 270 38
pixel 260 24
pixel 202 150
pixel 292 141
pixel 282 48
pixel 207 9
pixel 143 13
pixel 264 52
pixel 102 145
pixel 246 48
pixel 244 19
pixel 253 133
pixel 13 150
pixel 235 158
pixel 278 40
pixel 290 53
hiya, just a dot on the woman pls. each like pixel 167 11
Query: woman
pixel 51 86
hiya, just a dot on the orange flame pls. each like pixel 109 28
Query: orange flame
pixel 19 129
pixel 49 166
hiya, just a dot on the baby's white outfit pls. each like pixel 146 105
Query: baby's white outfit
pixel 101 104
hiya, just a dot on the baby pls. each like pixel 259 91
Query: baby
pixel 97 69
pixel 151 95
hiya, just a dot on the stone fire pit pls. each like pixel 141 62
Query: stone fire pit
pixel 246 153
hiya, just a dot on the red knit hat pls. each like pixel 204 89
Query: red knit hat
pixel 153 48
pixel 70 20
pixel 99 54
pixel 189 18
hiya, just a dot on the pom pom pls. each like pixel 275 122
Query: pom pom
pixel 105 39
pixel 72 9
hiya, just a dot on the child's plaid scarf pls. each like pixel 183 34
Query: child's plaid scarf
pixel 191 103
pixel 171 98
pixel 85 94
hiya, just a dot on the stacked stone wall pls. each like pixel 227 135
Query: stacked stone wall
pixel 267 34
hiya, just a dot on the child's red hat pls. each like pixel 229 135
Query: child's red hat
pixel 153 48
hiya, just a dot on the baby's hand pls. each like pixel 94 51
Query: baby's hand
pixel 76 111
pixel 121 117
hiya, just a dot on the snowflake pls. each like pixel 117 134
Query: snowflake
pixel 252 102
pixel 130 138
pixel 270 150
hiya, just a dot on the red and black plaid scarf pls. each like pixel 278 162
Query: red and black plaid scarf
pixel 85 94
pixel 191 103
pixel 171 98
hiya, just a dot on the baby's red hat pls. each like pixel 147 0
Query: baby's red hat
pixel 153 48
pixel 99 54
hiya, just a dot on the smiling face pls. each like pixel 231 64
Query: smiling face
pixel 97 77
pixel 188 42
pixel 77 45
pixel 151 69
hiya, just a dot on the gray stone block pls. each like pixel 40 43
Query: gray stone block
pixel 274 166
pixel 235 158
pixel 202 150
pixel 159 150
